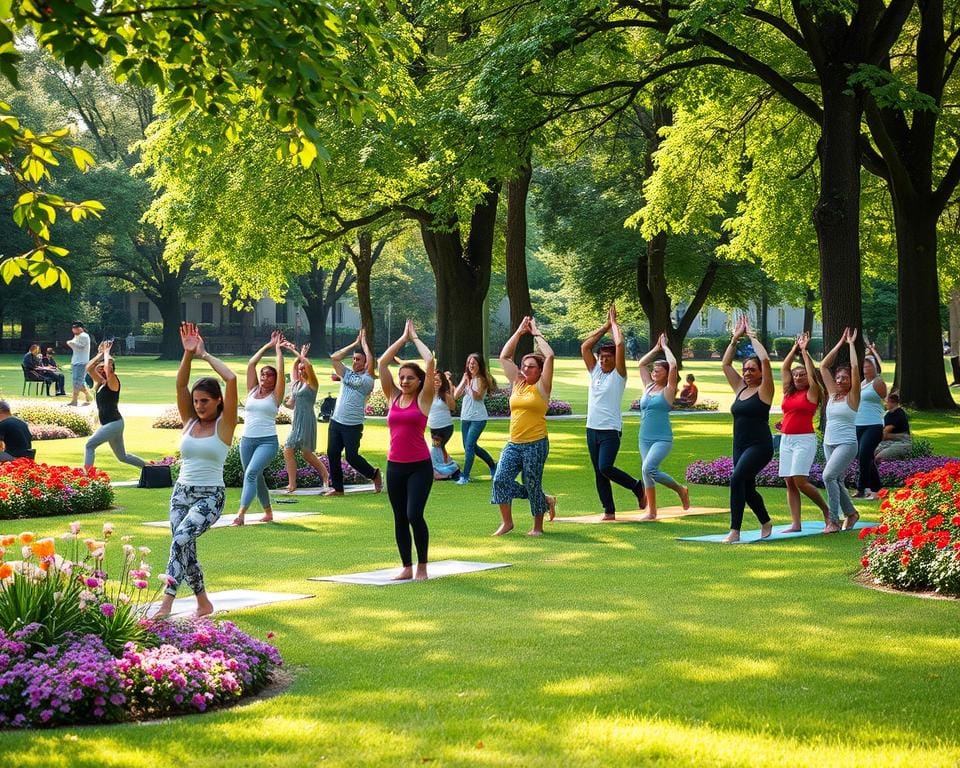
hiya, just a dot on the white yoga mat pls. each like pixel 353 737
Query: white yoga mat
pixel 252 518
pixel 663 513
pixel 229 600
pixel 125 483
pixel 384 576
pixel 362 488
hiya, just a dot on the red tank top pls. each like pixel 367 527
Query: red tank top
pixel 407 443
pixel 798 413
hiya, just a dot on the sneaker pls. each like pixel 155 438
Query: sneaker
pixel 463 480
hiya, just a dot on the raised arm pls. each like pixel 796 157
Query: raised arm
pixel 853 397
pixel 786 372
pixel 429 391
pixel 766 386
pixel 93 363
pixel 337 357
pixel 813 390
pixel 252 378
pixel 448 398
pixel 618 340
pixel 645 361
pixel 878 383
pixel 111 375
pixel 734 379
pixel 673 376
pixel 510 369
pixel 281 386
pixel 540 345
pixel 825 373
pixel 386 378
pixel 367 352
pixel 586 348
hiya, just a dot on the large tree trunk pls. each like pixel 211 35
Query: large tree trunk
pixel 518 286
pixel 316 313
pixel 168 303
pixel 363 262
pixel 808 299
pixel 463 277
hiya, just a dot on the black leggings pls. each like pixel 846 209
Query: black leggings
pixel 868 438
pixel 340 437
pixel 747 463
pixel 408 486
pixel 442 435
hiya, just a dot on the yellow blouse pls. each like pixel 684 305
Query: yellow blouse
pixel 528 414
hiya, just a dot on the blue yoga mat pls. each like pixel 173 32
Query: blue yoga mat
pixel 751 537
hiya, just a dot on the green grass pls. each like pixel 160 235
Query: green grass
pixel 602 645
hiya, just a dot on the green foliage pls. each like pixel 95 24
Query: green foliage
pixel 700 346
pixel 151 329
pixel 41 414
pixel 782 346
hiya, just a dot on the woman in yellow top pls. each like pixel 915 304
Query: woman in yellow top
pixel 526 452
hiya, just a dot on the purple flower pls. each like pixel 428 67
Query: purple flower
pixel 108 609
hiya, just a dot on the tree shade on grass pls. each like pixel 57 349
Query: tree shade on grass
pixel 603 645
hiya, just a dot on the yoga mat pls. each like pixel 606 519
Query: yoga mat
pixel 751 537
pixel 384 577
pixel 362 488
pixel 125 483
pixel 252 518
pixel 229 600
pixel 663 513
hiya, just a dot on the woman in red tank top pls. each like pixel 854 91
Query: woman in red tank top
pixel 409 469
pixel 798 445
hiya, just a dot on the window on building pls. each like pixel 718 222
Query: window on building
pixel 281 314
pixel 781 319
pixel 206 312
pixel 143 312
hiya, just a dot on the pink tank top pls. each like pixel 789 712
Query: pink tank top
pixel 407 443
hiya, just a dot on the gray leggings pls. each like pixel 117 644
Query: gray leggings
pixel 839 458
pixel 653 452
pixel 111 433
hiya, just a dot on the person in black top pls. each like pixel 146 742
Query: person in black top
pixel 107 394
pixel 15 439
pixel 49 364
pixel 33 362
pixel 752 441
pixel 897 442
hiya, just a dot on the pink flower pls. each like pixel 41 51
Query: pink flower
pixel 108 609
pixel 140 584
pixel 91 582
pixel 270 635
pixel 75 528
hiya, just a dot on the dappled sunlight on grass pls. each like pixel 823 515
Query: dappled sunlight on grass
pixel 581 686
pixel 721 669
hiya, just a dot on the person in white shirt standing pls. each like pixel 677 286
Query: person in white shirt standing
pixel 80 344
pixel 608 379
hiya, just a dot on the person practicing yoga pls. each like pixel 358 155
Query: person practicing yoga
pixel 209 416
pixel 656 434
pixel 873 391
pixel 608 380
pixel 752 441
pixel 259 444
pixel 346 424
pixel 798 445
pixel 107 396
pixel 303 432
pixel 409 468
pixel 526 451
pixel 840 436
pixel 474 385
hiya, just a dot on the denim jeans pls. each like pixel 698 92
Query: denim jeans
pixel 255 454
pixel 653 452
pixel 471 430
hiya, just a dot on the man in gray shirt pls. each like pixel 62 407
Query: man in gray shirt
pixel 80 344
pixel 346 424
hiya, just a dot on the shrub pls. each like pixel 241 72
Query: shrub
pixel 151 329
pixel 60 417
pixel 782 346
pixel 700 346
pixel 720 344
pixel 917 543
pixel 275 472
pixel 28 489
pixel 50 432
pixel 703 404
pixel 170 419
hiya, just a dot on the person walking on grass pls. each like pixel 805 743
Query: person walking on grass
pixel 798 446
pixel 80 345
pixel 752 441
pixel 259 444
pixel 107 393
pixel 303 433
pixel 656 434
pixel 346 424
pixel 840 436
pixel 527 450
pixel 409 468
pixel 474 385
pixel 209 415
pixel 608 380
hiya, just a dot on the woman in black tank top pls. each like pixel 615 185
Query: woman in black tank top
pixel 101 370
pixel 752 442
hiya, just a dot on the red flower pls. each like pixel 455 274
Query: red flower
pixel 865 562
pixel 905 560
pixel 934 522
pixel 883 529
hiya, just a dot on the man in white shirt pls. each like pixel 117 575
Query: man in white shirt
pixel 80 344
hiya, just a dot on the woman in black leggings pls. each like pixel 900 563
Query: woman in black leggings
pixel 752 442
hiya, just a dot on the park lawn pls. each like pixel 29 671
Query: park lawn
pixel 602 645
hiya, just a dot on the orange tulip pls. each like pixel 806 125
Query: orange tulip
pixel 93 546
pixel 27 537
pixel 6 570
pixel 45 548
pixel 7 541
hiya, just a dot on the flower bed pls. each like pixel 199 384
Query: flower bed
pixel 36 415
pixel 75 646
pixel 916 546
pixel 892 473
pixel 706 404
pixel 28 489
pixel 50 432
pixel 275 472
pixel 496 400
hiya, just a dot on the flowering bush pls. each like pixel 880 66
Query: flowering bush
pixel 62 417
pixel 496 400
pixel 170 418
pixel 917 543
pixel 50 432
pixel 275 473
pixel 28 489
pixel 892 473
pixel 75 645
pixel 704 404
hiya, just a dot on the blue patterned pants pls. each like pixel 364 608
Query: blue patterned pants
pixel 193 509
pixel 527 460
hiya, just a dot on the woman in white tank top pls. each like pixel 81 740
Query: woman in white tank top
pixel 198 498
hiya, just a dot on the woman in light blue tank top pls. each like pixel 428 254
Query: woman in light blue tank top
pixel 656 435
pixel 209 415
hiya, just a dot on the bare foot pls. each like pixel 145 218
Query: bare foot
pixel 535 532
pixel 504 528
pixel 608 518
pixel 333 492
pixel 765 530
pixel 791 529
pixel 287 491
pixel 204 607
pixel 551 507
pixel 377 481
pixel 831 527
pixel 406 573
pixel 684 494
pixel 732 538
pixel 238 520
pixel 850 521
pixel 421 572
pixel 648 516
pixel 161 615
pixel 267 518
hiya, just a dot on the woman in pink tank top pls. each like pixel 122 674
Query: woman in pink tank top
pixel 409 469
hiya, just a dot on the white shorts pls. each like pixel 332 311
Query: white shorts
pixel 796 454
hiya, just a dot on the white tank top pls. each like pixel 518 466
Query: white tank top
pixel 470 408
pixel 201 458
pixel 840 423
pixel 439 416
pixel 260 415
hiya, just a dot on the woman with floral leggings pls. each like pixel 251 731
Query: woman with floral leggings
pixel 210 418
